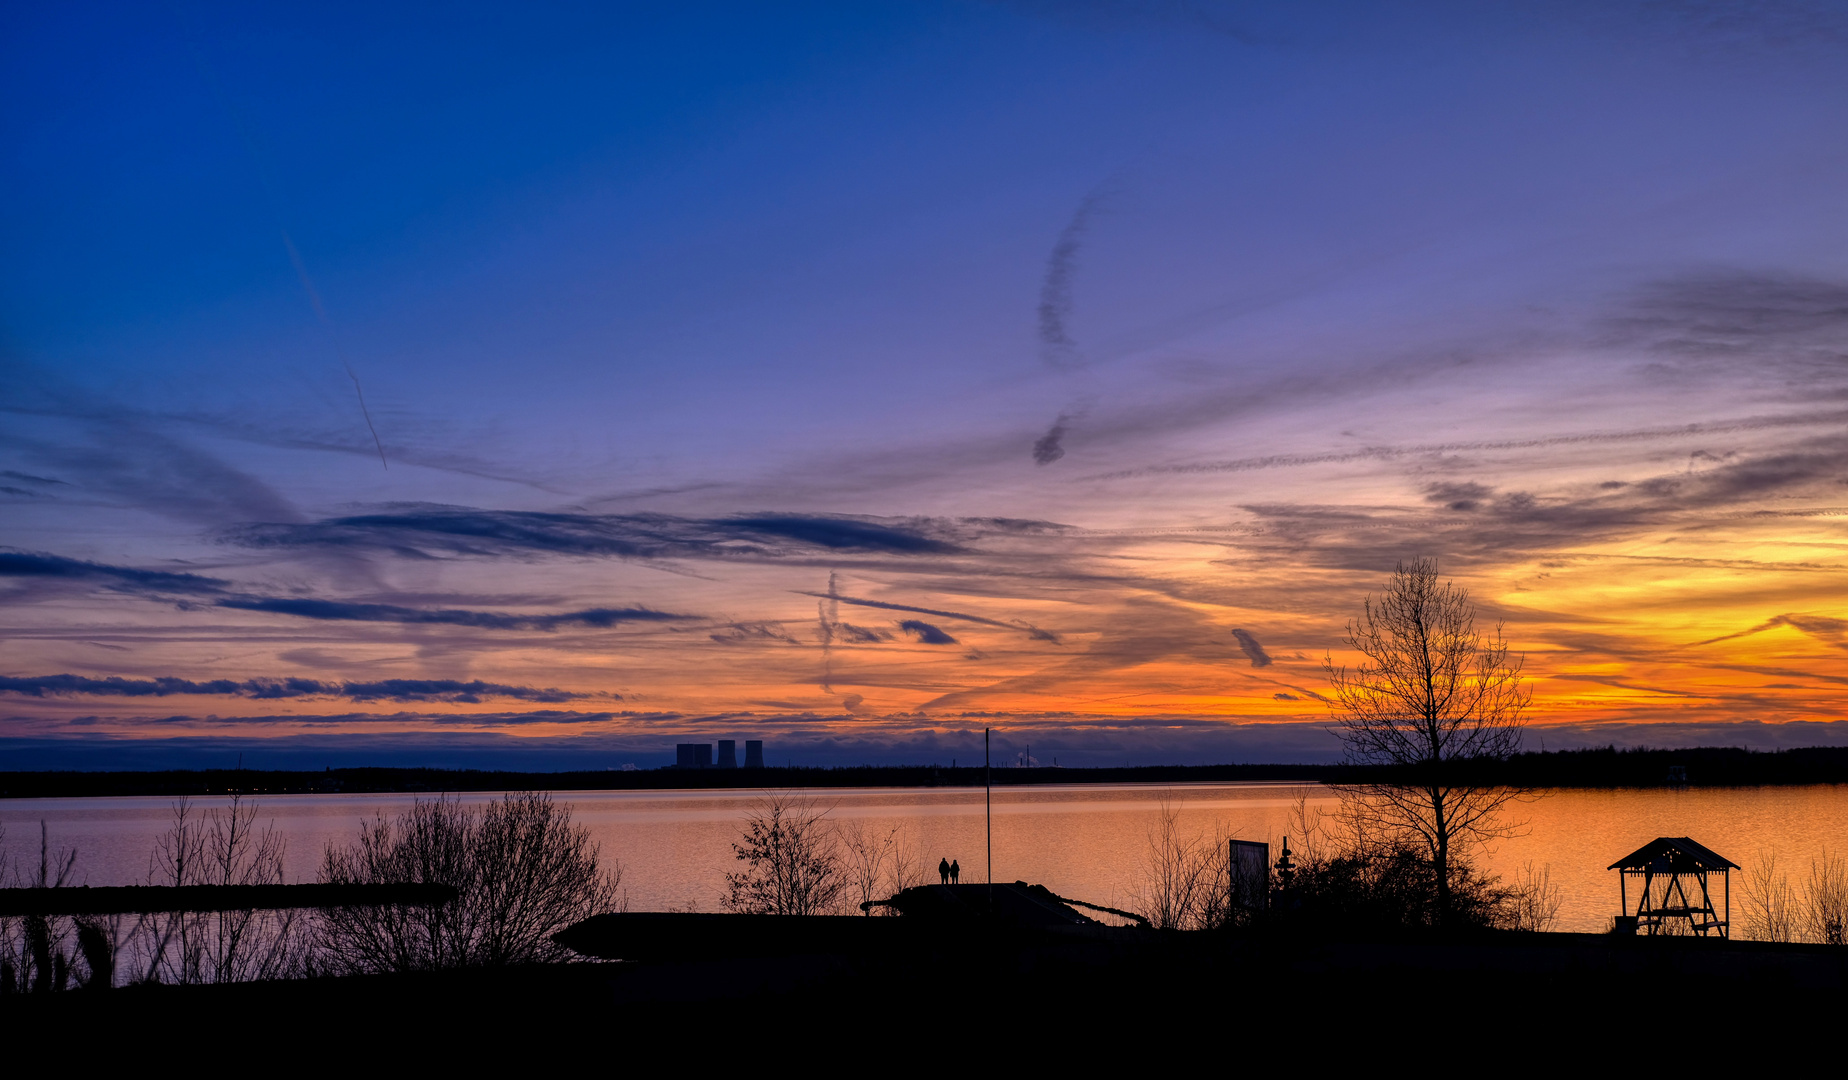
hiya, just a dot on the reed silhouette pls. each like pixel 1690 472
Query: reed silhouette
pixel 44 953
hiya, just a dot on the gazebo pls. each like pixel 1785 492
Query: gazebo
pixel 1673 869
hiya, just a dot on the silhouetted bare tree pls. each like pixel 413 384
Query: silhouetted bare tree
pixel 1431 696
pixel 523 870
pixel 793 860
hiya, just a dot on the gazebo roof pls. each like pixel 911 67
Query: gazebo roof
pixel 1680 853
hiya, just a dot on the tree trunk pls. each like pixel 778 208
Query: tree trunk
pixel 1441 828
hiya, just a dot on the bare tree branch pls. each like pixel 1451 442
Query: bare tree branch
pixel 1431 696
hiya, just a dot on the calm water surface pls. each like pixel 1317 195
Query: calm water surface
pixel 1087 841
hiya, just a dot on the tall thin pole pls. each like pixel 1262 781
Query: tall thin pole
pixel 988 812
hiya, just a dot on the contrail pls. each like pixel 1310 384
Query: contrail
pixel 1254 651
pixel 295 256
pixel 834 599
pixel 1055 306
pixel 320 312
pixel 829 610
pixel 1389 453
pixel 1048 448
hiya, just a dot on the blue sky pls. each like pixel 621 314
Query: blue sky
pixel 1144 323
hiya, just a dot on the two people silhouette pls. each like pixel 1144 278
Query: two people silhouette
pixel 949 871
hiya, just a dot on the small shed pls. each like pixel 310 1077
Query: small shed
pixel 1672 873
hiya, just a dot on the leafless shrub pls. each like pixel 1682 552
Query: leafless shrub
pixel 1773 910
pixel 1353 869
pixel 1213 904
pixel 1767 901
pixel 522 870
pixel 1533 900
pixel 906 869
pixel 221 847
pixel 1312 826
pixel 867 854
pixel 793 860
pixel 1171 872
pixel 1186 880
pixel 1826 908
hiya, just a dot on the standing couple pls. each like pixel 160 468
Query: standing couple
pixel 948 871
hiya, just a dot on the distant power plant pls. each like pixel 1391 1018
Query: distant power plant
pixel 698 755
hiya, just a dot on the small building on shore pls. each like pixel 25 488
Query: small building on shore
pixel 1672 875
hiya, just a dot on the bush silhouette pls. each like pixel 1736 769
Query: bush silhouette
pixel 522 870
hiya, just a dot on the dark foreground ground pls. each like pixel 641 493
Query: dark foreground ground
pixel 1112 1000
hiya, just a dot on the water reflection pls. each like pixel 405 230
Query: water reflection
pixel 1082 841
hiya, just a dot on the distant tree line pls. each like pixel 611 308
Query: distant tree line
pixel 177 782
pixel 1598 767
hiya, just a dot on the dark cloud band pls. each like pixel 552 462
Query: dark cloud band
pixel 342 611
pixel 429 690
pixel 158 583
pixel 435 531
pixel 27 564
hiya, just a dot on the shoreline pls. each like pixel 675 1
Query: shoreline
pixel 1597 768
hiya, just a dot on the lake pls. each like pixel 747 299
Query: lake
pixel 1088 842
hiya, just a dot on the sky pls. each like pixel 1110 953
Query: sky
pixel 544 385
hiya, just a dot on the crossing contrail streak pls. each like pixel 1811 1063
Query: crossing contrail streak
pixel 320 312
pixel 247 135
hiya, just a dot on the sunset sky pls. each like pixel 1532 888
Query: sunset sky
pixel 546 385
